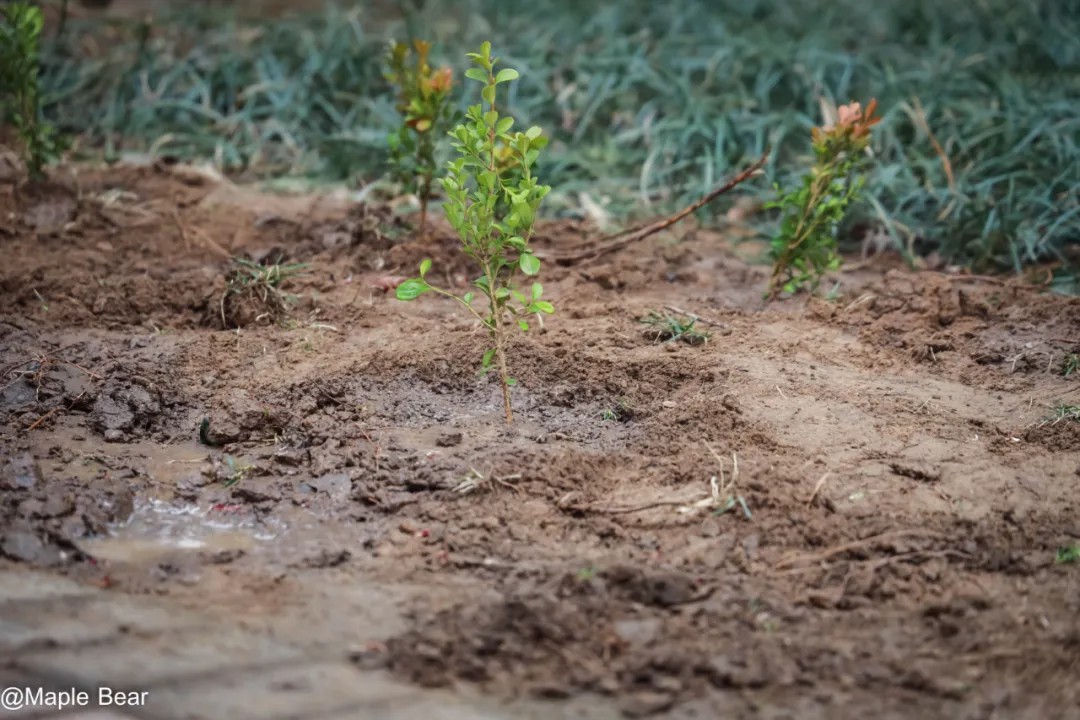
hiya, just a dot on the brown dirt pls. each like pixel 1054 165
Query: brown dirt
pixel 901 494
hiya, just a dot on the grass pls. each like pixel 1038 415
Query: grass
pixel 620 412
pixel 672 328
pixel 1070 364
pixel 1065 413
pixel 253 292
pixel 650 104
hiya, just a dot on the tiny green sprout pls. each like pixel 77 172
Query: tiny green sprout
pixel 1068 554
pixel 586 574
pixel 424 104
pixel 1071 364
pixel 20 100
pixel 1064 413
pixel 805 247
pixel 493 211
pixel 670 328
pixel 237 472
pixel 621 412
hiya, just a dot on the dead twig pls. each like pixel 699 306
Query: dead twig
pixel 42 419
pixel 628 510
pixel 791 562
pixel 634 236
pixel 919 118
pixel 817 489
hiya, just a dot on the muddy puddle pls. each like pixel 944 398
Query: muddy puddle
pixel 157 529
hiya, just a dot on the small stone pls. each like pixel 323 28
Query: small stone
pixel 449 439
pixel 643 704
pixel 114 435
pixel 336 485
pixel 252 494
pixel 291 458
pixel 710 527
pixel 324 559
pixel 637 632
pixel 550 691
pixel 667 684
pixel 20 473
pixel 26 546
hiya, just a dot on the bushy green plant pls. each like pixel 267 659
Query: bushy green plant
pixel 805 247
pixel 493 214
pixel 20 101
pixel 423 101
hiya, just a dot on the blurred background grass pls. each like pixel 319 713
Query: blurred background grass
pixel 649 104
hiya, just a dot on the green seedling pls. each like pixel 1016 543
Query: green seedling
pixel 423 101
pixel 204 433
pixel 805 247
pixel 1071 364
pixel 621 412
pixel 669 328
pixel 1068 555
pixel 496 237
pixel 237 472
pixel 20 100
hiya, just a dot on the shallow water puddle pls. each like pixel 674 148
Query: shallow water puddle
pixel 157 528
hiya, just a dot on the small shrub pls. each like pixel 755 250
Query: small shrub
pixel 494 234
pixel 20 101
pixel 805 248
pixel 423 101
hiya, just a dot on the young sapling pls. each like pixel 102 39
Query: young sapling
pixel 805 248
pixel 424 102
pixel 492 205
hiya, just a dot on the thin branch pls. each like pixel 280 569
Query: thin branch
pixel 649 230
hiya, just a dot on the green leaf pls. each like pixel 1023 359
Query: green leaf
pixel 411 289
pixel 523 211
pixel 506 75
pixel 537 291
pixel 488 93
pixel 511 381
pixel 544 306
pixel 486 361
pixel 517 242
pixel 477 74
pixel 468 298
pixel 529 264
pixel 425 265
pixel 524 325
pixel 533 132
pixel 504 125
pixel 502 293
pixel 491 117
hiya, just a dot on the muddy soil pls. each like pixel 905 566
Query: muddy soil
pixel 830 508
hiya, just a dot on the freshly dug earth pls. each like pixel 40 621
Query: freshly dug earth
pixel 830 508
